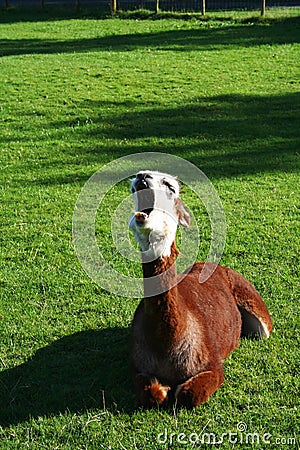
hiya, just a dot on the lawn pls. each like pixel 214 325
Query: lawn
pixel 77 93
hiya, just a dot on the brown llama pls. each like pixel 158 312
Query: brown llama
pixel 182 330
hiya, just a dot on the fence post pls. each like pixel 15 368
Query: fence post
pixel 263 8
pixel 114 6
pixel 157 6
pixel 203 7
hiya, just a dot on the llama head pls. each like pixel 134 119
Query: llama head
pixel 158 209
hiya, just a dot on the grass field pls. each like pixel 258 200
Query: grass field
pixel 74 95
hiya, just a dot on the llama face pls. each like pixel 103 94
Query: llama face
pixel 157 211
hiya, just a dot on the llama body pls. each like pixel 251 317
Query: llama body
pixel 183 330
pixel 200 340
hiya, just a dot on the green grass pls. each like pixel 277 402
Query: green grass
pixel 76 94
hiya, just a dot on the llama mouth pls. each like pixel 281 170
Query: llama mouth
pixel 141 217
pixel 145 200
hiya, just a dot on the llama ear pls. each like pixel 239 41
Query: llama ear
pixel 183 215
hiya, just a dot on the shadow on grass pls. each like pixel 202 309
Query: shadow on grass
pixel 228 135
pixel 283 32
pixel 36 14
pixel 225 136
pixel 82 371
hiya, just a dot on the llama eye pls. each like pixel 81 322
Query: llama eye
pixel 169 186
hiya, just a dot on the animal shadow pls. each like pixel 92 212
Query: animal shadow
pixel 82 371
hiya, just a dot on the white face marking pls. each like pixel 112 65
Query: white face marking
pixel 157 180
pixel 155 222
pixel 155 234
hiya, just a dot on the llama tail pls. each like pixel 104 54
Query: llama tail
pixel 256 320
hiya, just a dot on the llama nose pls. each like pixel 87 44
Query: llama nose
pixel 141 182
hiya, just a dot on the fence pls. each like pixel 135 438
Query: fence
pixel 201 5
pixel 156 5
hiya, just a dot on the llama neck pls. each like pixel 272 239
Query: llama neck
pixel 163 315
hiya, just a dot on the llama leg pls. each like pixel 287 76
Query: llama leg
pixel 256 320
pixel 150 392
pixel 197 389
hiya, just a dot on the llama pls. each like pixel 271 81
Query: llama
pixel 183 330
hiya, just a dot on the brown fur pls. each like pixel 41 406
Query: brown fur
pixel 180 337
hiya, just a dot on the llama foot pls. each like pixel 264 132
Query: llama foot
pixel 197 389
pixel 150 392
